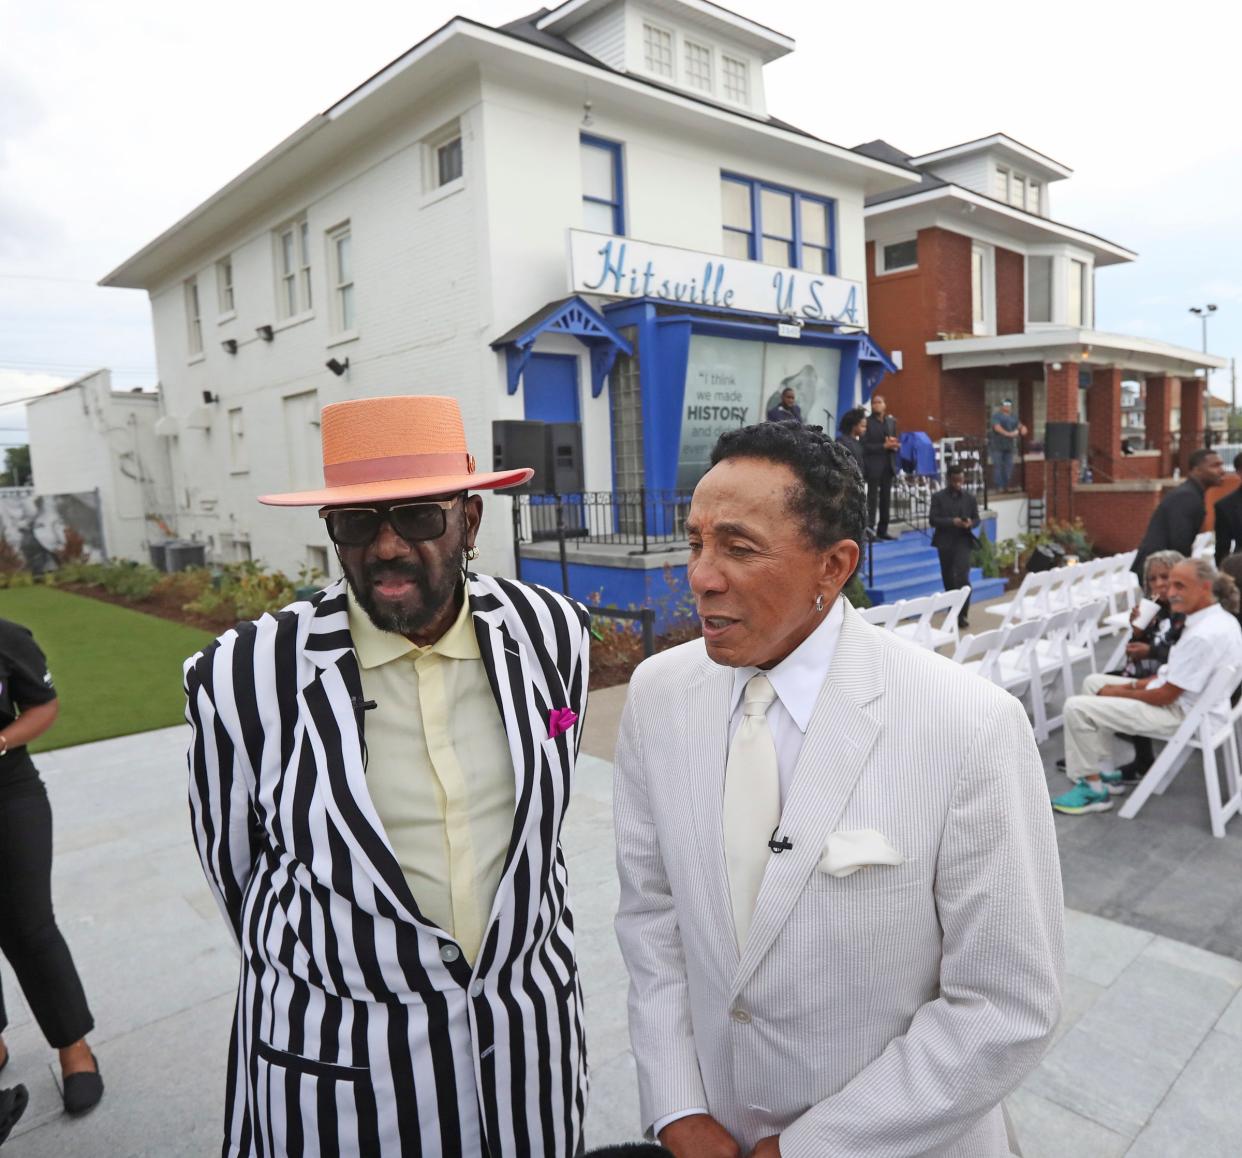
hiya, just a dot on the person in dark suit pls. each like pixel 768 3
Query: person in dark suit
pixel 1229 520
pixel 954 515
pixel 788 410
pixel 880 456
pixel 849 435
pixel 1176 521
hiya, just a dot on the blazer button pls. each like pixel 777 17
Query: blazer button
pixel 449 953
pixel 476 989
pixel 741 1016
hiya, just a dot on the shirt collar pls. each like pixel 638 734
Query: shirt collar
pixel 799 676
pixel 376 647
pixel 1203 614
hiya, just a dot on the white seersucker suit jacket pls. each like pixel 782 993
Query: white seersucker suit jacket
pixel 361 1031
pixel 883 1014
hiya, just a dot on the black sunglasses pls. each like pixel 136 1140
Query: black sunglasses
pixel 414 522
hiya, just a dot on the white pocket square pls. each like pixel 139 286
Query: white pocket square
pixel 850 849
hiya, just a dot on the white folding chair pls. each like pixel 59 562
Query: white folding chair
pixel 1051 661
pixel 1202 729
pixel 910 618
pixel 978 653
pixel 1069 639
pixel 948 606
pixel 1029 601
pixel 1017 672
pixel 879 614
pixel 931 620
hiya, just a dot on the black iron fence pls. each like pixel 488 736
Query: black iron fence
pixel 646 520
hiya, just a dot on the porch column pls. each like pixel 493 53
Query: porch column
pixel 1061 383
pixel 1104 417
pixel 1194 421
pixel 1026 404
pixel 1158 418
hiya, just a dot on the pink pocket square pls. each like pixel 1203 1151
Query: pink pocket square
pixel 561 720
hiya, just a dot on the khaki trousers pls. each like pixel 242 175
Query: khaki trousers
pixel 1092 723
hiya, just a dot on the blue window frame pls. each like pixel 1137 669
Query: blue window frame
pixel 778 225
pixel 603 186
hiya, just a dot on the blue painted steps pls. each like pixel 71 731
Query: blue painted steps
pixel 909 566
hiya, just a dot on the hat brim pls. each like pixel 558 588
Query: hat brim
pixel 390 490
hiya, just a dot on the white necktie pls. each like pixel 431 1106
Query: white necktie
pixel 752 802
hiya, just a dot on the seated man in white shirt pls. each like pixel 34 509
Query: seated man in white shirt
pixel 1155 706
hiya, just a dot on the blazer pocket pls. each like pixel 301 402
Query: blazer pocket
pixel 312 1067
pixel 866 882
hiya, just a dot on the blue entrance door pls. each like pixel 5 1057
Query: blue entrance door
pixel 551 388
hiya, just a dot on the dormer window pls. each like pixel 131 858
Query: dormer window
pixel 736 77
pixel 698 66
pixel 1016 189
pixel 658 51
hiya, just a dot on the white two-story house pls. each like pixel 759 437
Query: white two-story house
pixel 587 217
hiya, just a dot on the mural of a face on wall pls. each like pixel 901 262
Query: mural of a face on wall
pixel 40 527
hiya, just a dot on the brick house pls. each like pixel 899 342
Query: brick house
pixel 981 295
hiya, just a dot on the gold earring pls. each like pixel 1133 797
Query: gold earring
pixel 472 553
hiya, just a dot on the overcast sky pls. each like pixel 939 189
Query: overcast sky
pixel 116 119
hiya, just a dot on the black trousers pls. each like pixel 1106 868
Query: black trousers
pixel 29 937
pixel 955 570
pixel 879 495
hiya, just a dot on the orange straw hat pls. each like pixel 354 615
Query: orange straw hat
pixel 407 446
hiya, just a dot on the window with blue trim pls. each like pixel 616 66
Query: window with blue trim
pixel 778 226
pixel 603 201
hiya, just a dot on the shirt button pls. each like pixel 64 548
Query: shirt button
pixel 741 1016
pixel 449 953
pixel 476 989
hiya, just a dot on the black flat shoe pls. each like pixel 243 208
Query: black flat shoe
pixel 83 1091
pixel 12 1106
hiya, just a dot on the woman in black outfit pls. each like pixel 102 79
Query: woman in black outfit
pixel 29 937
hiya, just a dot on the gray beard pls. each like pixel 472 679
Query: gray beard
pixel 398 620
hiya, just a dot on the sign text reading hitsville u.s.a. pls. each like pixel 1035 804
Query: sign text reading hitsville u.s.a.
pixel 623 268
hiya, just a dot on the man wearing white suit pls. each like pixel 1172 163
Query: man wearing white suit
pixel 840 897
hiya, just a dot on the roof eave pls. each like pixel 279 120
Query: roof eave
pixel 1116 253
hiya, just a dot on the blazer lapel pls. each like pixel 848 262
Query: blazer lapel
pixel 842 731
pixel 708 704
pixel 524 698
pixel 330 706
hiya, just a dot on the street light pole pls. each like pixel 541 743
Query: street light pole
pixel 1203 313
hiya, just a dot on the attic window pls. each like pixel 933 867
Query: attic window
pixel 698 66
pixel 658 50
pixel 736 78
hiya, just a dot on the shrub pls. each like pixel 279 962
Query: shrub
pixel 11 559
pixel 856 593
pixel 74 550
pixel 133 582
pixel 984 557
pixel 181 587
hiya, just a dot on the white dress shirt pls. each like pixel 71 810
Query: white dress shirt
pixel 797 680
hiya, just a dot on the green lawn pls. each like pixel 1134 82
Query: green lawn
pixel 117 671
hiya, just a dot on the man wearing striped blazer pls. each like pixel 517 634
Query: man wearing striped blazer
pixel 840 893
pixel 378 777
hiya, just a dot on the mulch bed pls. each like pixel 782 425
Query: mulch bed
pixel 167 606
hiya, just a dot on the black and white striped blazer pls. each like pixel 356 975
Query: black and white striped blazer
pixel 360 1028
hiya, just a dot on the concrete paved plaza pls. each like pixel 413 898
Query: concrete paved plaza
pixel 1146 1062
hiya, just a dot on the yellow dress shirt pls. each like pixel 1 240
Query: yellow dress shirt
pixel 438 769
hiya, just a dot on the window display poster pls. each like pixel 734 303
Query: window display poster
pixel 731 383
pixel 723 384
